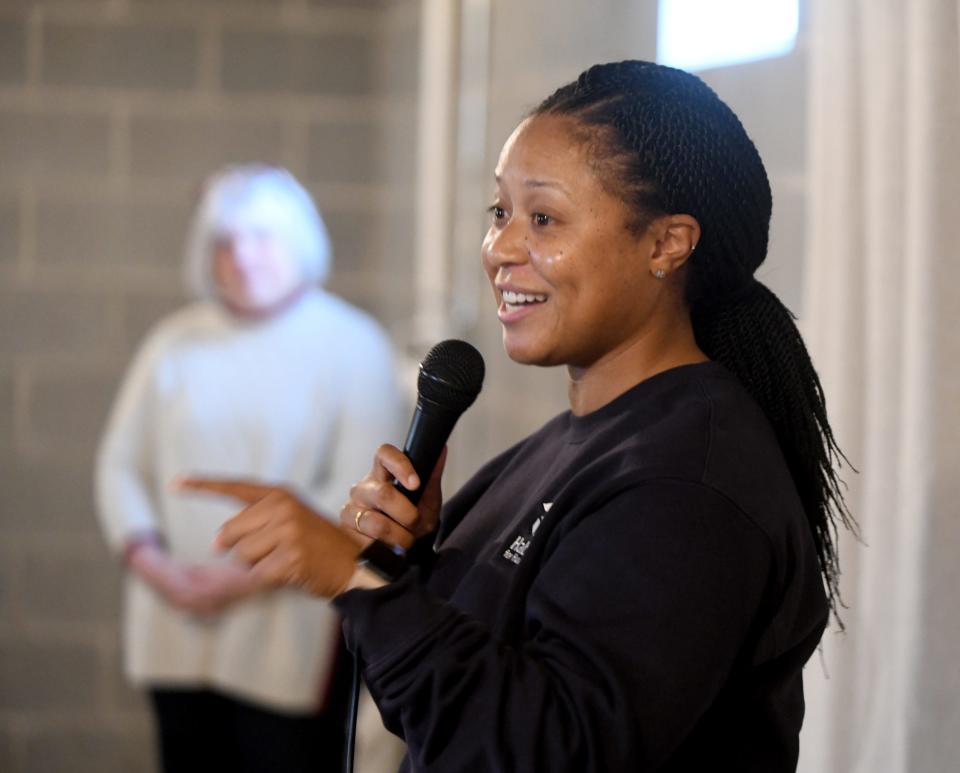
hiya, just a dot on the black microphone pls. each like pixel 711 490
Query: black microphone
pixel 450 379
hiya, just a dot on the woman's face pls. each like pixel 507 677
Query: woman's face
pixel 253 270
pixel 570 277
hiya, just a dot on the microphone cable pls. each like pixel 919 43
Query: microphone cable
pixel 352 713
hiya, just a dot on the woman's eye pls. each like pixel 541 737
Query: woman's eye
pixel 499 213
pixel 541 219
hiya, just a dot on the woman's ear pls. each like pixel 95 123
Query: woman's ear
pixel 677 237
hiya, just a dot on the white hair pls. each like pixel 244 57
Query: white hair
pixel 266 197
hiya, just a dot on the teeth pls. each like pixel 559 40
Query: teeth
pixel 515 299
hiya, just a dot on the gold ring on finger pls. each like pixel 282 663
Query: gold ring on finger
pixel 357 517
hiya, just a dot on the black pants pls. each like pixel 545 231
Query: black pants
pixel 207 732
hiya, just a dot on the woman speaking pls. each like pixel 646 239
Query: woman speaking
pixel 637 585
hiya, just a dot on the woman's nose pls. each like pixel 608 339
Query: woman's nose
pixel 505 245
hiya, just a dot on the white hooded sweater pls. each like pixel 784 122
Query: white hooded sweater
pixel 303 398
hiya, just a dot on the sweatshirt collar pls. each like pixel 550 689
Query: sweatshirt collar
pixel 645 400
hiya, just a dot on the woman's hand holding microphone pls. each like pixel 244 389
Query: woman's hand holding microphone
pixel 378 510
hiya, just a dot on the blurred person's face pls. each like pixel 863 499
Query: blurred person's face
pixel 254 270
pixel 568 273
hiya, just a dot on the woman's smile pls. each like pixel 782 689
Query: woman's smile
pixel 517 304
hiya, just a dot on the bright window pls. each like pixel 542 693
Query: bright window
pixel 698 34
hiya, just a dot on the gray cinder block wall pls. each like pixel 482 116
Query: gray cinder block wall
pixel 111 113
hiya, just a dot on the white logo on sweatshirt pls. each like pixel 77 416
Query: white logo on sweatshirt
pixel 518 548
pixel 536 523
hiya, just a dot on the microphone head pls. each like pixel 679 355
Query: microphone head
pixel 451 375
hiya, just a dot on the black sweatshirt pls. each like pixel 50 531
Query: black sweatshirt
pixel 636 589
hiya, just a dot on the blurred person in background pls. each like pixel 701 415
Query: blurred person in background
pixel 266 376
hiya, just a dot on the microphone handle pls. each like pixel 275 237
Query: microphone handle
pixel 430 428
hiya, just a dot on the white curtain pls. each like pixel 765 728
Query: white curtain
pixel 883 323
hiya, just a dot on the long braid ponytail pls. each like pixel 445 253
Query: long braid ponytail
pixel 755 337
pixel 666 143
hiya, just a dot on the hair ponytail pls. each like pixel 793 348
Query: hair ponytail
pixel 754 335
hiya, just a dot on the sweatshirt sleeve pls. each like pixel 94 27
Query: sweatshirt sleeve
pixel 124 468
pixel 631 628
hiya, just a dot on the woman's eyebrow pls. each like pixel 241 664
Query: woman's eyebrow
pixel 534 182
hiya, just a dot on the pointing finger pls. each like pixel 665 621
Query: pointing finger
pixel 244 490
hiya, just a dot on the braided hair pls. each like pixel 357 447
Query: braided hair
pixel 663 141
